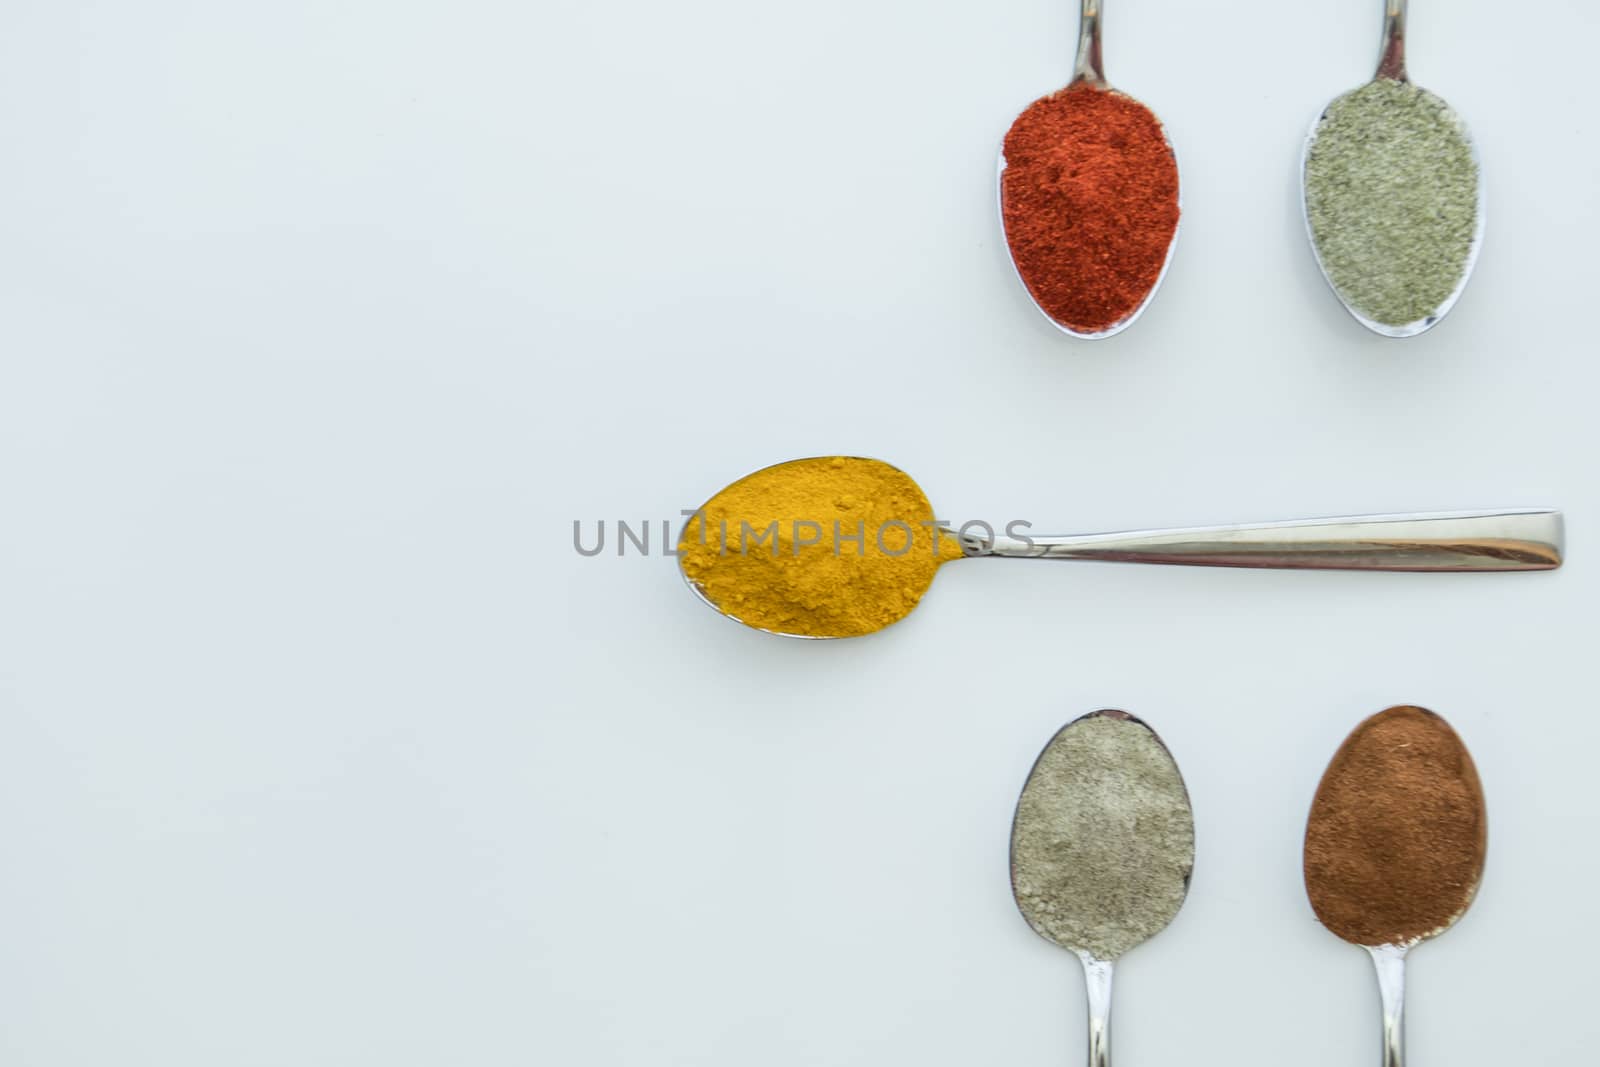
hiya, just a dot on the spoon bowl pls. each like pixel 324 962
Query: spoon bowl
pixel 830 546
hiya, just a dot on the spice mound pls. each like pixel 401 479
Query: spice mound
pixel 1089 196
pixel 1391 192
pixel 828 547
pixel 1103 840
pixel 1396 840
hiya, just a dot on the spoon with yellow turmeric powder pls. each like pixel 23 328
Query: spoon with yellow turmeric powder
pixel 840 546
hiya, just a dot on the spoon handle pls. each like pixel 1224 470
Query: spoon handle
pixel 1097 979
pixel 1390 961
pixel 1510 540
pixel 1090 67
pixel 1392 58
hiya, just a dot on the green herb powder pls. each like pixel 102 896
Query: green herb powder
pixel 1103 841
pixel 1391 190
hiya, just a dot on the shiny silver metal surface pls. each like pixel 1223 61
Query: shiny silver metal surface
pixel 1392 64
pixel 1510 540
pixel 1392 56
pixel 1390 962
pixel 1089 68
pixel 1097 980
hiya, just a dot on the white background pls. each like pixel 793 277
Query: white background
pixel 320 324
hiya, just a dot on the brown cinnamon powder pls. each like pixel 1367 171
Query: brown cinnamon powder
pixel 1396 839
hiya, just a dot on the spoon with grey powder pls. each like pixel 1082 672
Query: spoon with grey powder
pixel 1102 846
pixel 1393 196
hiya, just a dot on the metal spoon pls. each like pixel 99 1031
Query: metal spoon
pixel 1513 539
pixel 1392 66
pixel 1103 799
pixel 1089 69
pixel 1370 863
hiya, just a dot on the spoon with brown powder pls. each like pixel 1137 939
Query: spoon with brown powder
pixel 1395 845
pixel 840 546
pixel 1102 846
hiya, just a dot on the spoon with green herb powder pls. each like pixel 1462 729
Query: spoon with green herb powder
pixel 1393 196
pixel 1101 849
pixel 1395 845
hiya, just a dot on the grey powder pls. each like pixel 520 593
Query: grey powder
pixel 1103 840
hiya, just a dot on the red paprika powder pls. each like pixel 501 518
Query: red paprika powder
pixel 1089 196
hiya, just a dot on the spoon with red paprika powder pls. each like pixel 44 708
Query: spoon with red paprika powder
pixel 1089 198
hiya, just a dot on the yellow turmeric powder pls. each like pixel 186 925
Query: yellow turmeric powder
pixel 829 547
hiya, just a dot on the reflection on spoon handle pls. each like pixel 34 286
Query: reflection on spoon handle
pixel 1390 961
pixel 1089 67
pixel 1097 977
pixel 1514 540
pixel 1392 59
